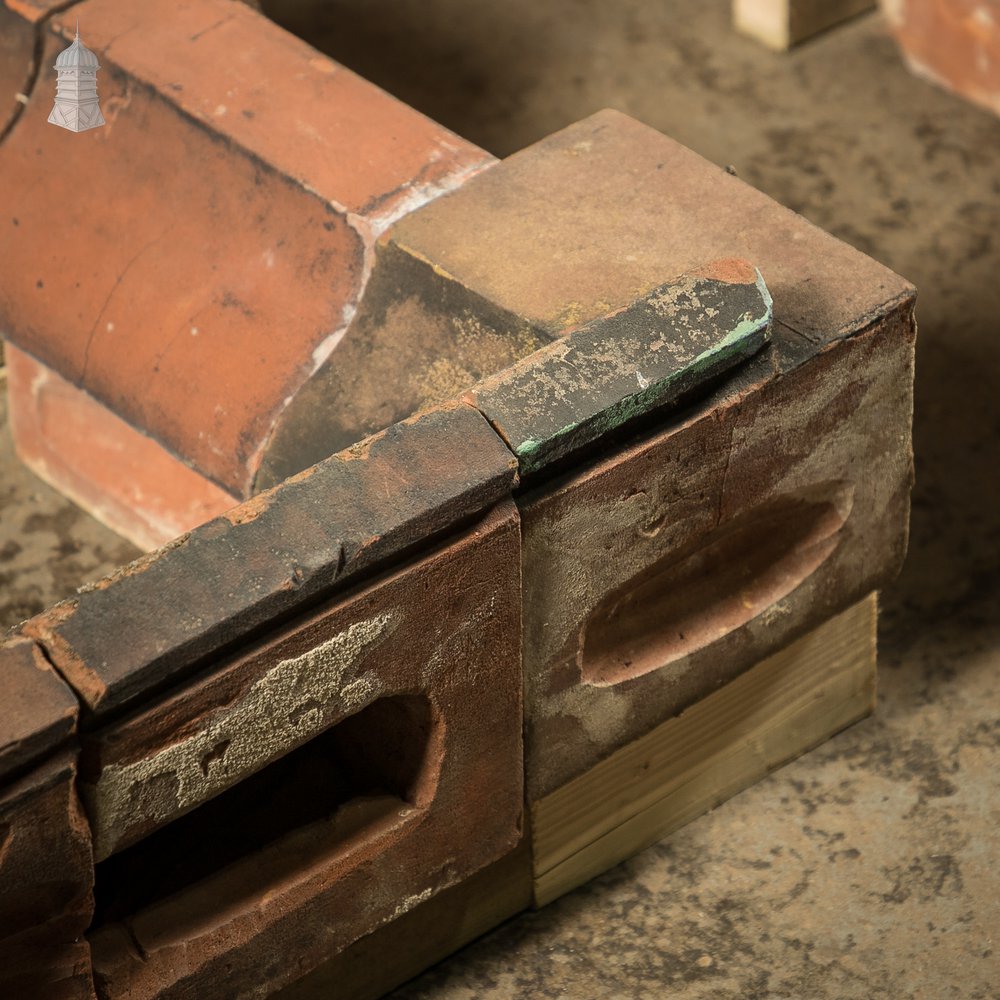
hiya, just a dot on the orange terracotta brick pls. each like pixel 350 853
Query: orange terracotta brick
pixel 232 202
pixel 103 464
pixel 955 43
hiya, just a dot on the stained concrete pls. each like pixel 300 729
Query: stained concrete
pixel 867 868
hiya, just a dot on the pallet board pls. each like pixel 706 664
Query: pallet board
pixel 784 706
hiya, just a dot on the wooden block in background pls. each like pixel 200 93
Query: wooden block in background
pixel 784 706
pixel 780 24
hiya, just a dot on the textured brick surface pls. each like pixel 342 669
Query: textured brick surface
pixel 37 710
pixel 232 200
pixel 582 224
pixel 444 629
pixel 46 875
pixel 651 356
pixel 107 467
pixel 157 619
pixel 671 565
pixel 955 43
pixel 593 217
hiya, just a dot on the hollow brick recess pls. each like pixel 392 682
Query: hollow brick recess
pixel 758 498
pixel 380 586
pixel 190 263
pixel 712 474
pixel 440 636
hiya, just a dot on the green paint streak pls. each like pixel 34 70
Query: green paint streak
pixel 536 453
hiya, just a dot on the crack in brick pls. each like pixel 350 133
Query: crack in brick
pixel 211 27
pixel 121 277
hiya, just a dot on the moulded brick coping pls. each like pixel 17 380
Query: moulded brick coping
pixel 152 621
pixel 38 712
pixel 225 233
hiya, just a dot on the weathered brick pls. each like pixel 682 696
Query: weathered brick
pixel 156 620
pixel 418 339
pixel 395 713
pixel 46 876
pixel 672 564
pixel 576 227
pixel 38 711
pixel 235 191
pixel 652 355
pixel 658 567
pixel 955 43
pixel 592 218
pixel 45 860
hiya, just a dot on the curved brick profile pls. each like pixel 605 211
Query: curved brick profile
pixel 665 537
pixel 955 43
pixel 225 234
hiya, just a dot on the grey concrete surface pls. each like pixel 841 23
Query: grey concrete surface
pixel 868 868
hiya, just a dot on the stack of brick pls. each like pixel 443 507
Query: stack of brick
pixel 190 264
pixel 660 419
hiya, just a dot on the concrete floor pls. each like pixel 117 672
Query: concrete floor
pixel 867 868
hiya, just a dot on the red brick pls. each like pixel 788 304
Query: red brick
pixel 46 875
pixel 443 629
pixel 672 565
pixel 103 464
pixel 955 43
pixel 158 620
pixel 232 201
pixel 769 504
pixel 38 711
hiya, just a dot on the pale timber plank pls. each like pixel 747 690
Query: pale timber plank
pixel 780 24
